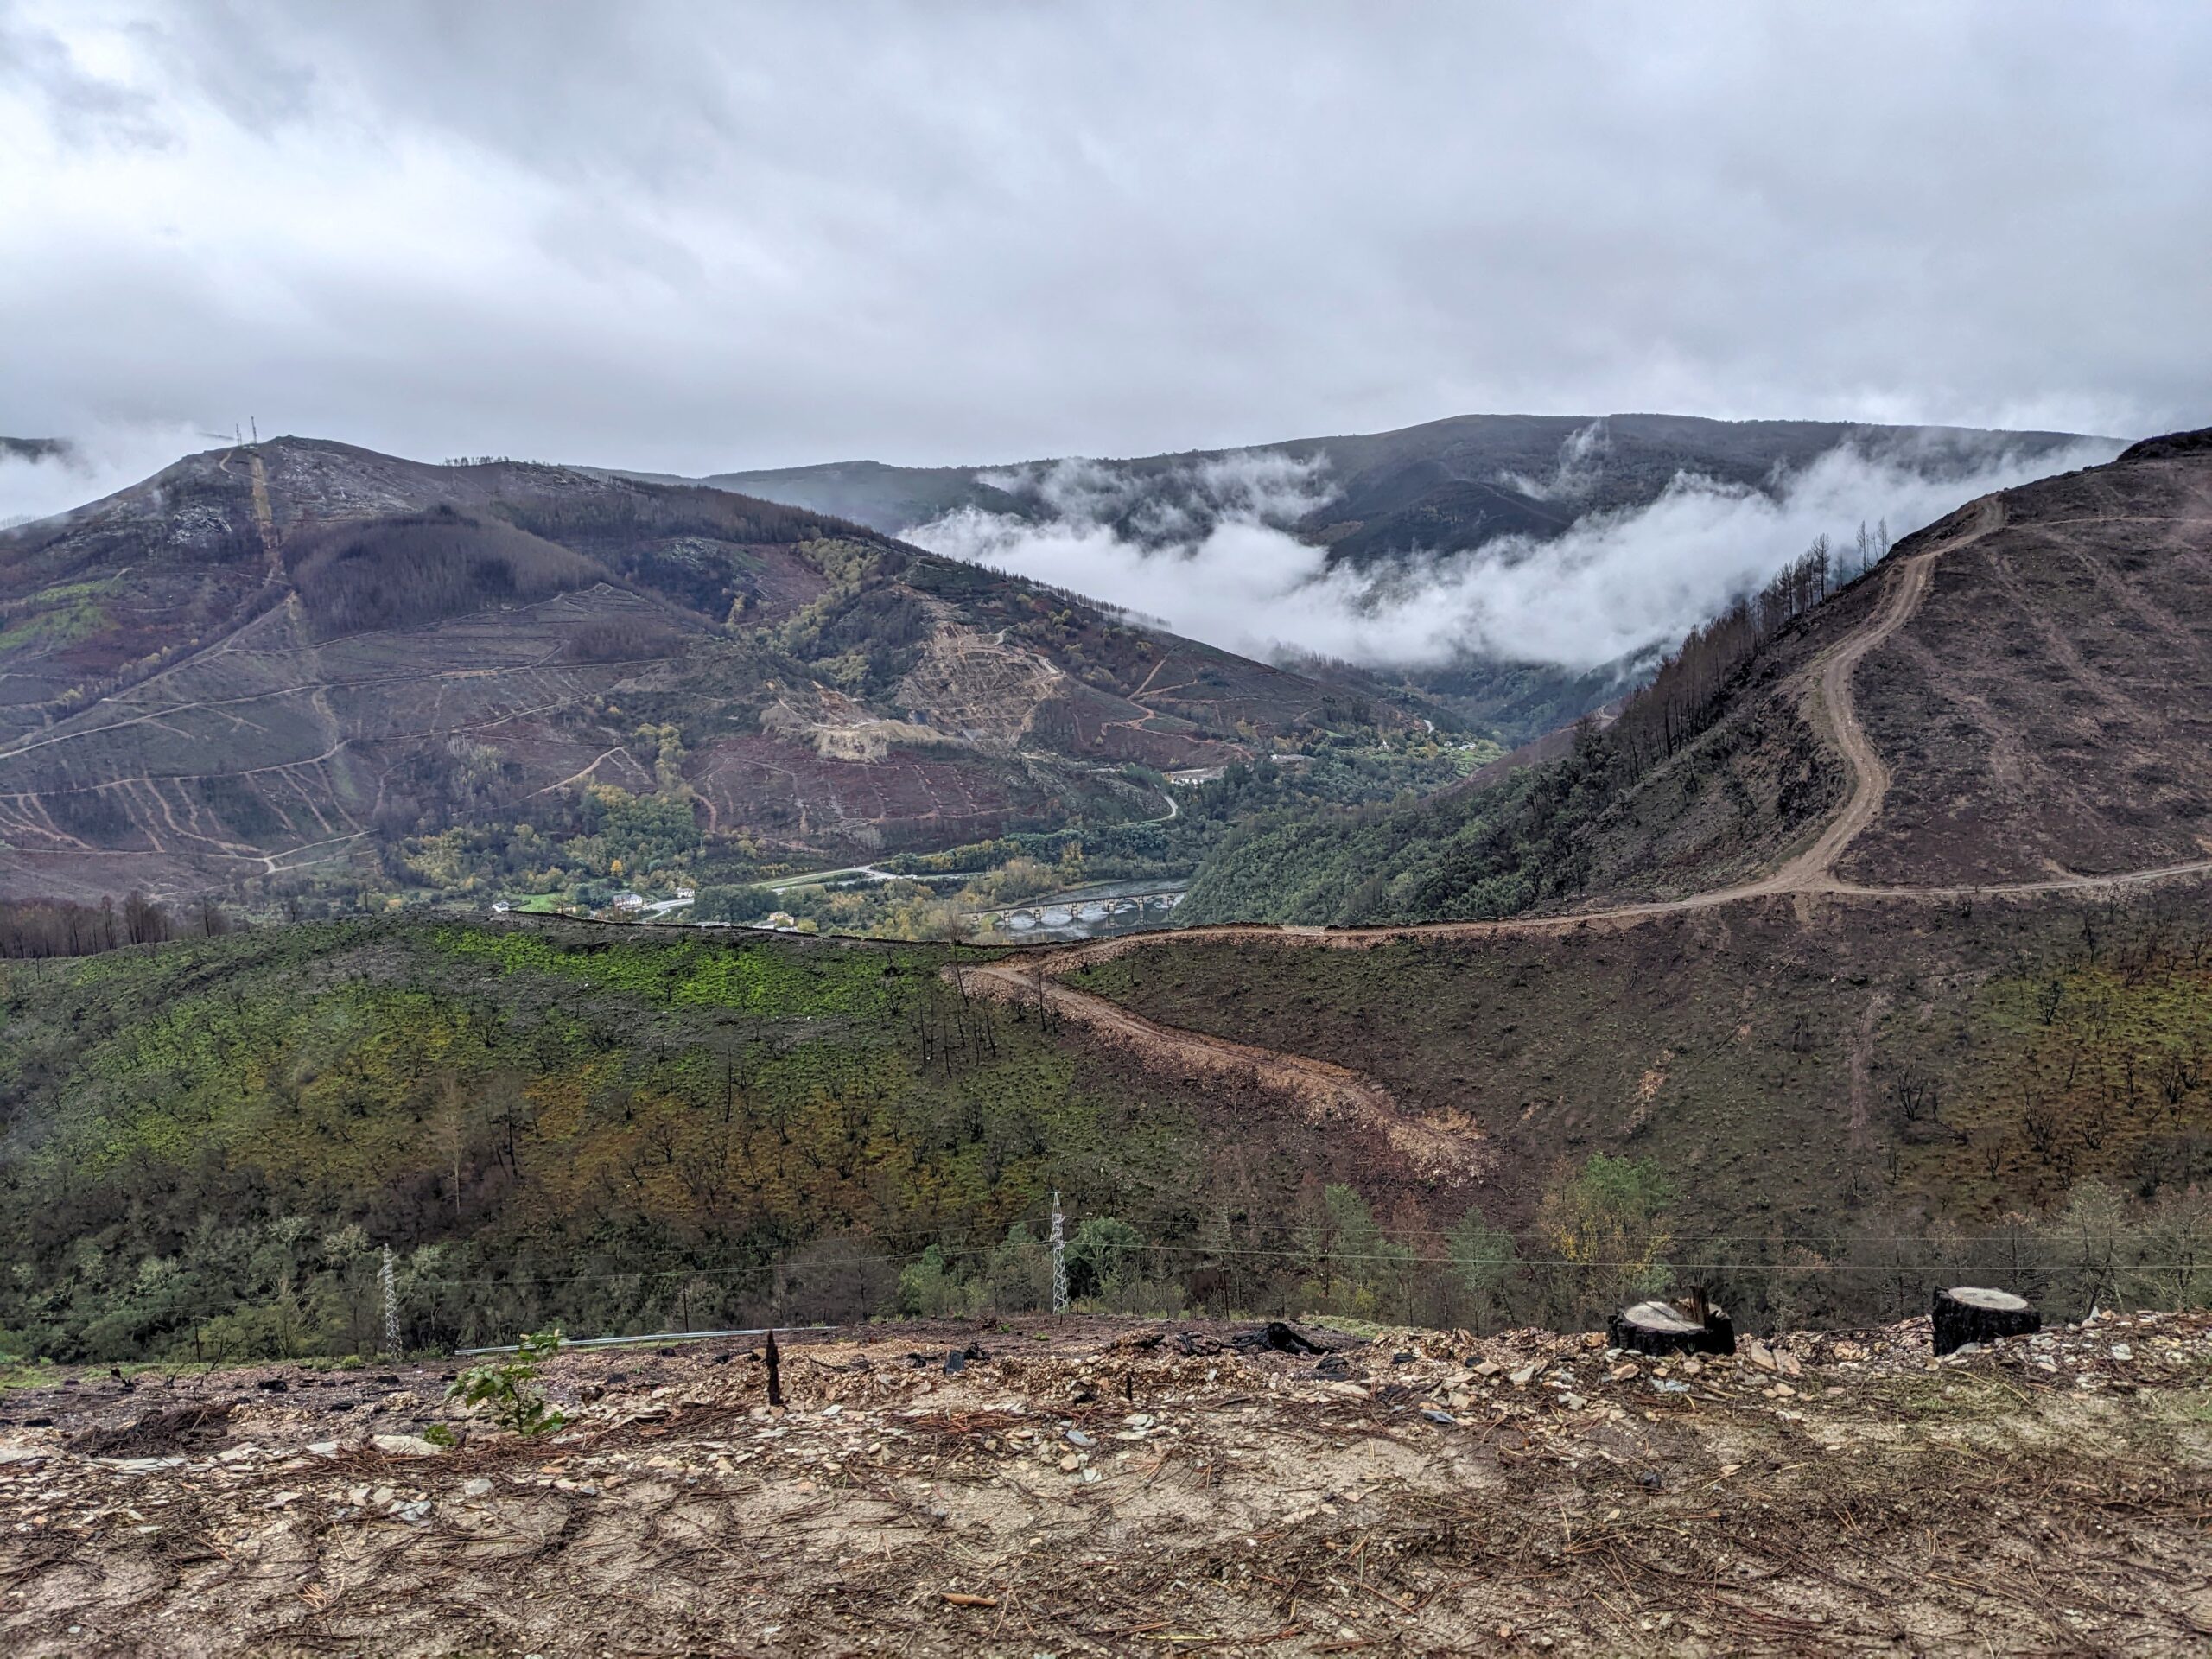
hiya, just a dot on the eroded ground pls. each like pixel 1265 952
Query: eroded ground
pixel 1101 1486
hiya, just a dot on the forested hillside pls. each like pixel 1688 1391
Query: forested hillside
pixel 1699 775
pixel 1843 1094
pixel 207 1145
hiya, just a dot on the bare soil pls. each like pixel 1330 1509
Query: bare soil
pixel 1101 1486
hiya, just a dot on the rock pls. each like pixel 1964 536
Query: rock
pixel 404 1445
pixel 476 1488
pixel 1762 1355
pixel 1077 1437
pixel 1442 1419
pixel 1526 1375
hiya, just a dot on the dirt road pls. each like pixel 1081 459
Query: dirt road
pixel 1333 1092
pixel 1324 1092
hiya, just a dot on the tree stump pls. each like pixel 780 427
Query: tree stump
pixel 1662 1328
pixel 1967 1314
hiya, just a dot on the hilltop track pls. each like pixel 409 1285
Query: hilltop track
pixel 1332 1091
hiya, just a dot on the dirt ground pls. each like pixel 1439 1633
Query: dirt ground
pixel 1096 1486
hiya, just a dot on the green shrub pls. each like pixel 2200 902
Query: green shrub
pixel 931 1289
pixel 505 1390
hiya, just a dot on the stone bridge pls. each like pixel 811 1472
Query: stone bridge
pixel 1070 912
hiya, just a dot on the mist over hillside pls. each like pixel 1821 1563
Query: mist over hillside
pixel 1464 552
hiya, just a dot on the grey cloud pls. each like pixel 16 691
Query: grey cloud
pixel 700 238
pixel 78 106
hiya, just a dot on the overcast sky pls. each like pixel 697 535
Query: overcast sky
pixel 720 236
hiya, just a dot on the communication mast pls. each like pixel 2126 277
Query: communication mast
pixel 1060 1259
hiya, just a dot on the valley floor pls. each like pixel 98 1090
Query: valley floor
pixel 1096 1486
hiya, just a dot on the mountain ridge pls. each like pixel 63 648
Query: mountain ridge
pixel 293 648
pixel 1385 492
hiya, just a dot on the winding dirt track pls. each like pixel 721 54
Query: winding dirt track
pixel 1327 1093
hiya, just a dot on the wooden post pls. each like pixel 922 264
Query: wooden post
pixel 775 1382
pixel 1967 1314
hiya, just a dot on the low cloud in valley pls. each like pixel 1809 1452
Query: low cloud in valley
pixel 1217 559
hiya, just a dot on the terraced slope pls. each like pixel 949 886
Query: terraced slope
pixel 261 660
pixel 2021 694
pixel 2046 710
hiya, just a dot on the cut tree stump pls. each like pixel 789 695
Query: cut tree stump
pixel 1967 1314
pixel 1663 1328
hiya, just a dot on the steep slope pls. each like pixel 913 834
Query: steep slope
pixel 263 659
pixel 1799 1042
pixel 2046 710
pixel 2023 691
pixel 1405 508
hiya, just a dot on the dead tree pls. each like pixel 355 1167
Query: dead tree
pixel 1967 1314
pixel 775 1381
pixel 1663 1328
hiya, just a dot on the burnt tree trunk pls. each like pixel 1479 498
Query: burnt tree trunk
pixel 1967 1314
pixel 775 1381
pixel 1663 1328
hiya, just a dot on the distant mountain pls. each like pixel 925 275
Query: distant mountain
pixel 1437 491
pixel 1443 487
pixel 265 658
